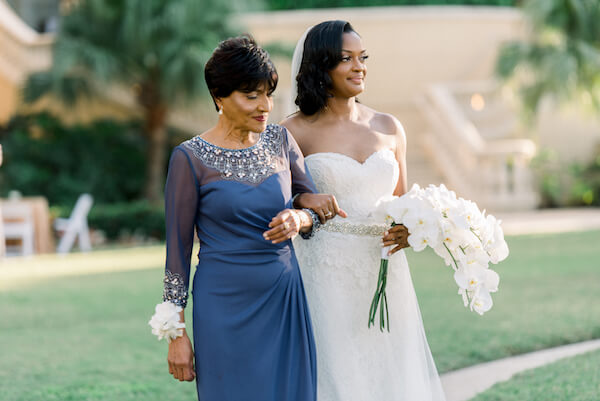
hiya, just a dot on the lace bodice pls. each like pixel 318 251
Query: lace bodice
pixel 356 186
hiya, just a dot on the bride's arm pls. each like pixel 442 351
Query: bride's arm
pixel 401 185
pixel 397 236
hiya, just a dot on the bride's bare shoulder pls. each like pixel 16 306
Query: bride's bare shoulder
pixel 383 122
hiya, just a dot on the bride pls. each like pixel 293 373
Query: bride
pixel 357 154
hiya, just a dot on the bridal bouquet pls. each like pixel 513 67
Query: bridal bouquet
pixel 463 236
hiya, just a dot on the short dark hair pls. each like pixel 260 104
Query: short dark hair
pixel 322 53
pixel 239 64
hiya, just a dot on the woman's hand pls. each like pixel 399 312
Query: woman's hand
pixel 181 359
pixel 284 226
pixel 397 235
pixel 324 205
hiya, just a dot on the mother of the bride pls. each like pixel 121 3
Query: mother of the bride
pixel 251 326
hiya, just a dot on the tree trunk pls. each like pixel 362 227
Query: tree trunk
pixel 156 155
pixel 155 119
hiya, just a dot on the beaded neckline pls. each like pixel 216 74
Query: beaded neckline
pixel 252 164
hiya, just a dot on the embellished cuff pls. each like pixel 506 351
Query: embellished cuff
pixel 316 224
pixel 175 289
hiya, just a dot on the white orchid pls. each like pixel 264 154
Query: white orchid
pixel 481 301
pixel 458 232
pixel 497 248
pixel 469 277
pixel 474 255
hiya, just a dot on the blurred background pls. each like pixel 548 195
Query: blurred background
pixel 500 100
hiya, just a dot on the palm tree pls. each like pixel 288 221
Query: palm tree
pixel 156 47
pixel 562 57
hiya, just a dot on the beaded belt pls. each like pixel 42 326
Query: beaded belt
pixel 371 230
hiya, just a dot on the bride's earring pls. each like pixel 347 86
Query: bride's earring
pixel 220 110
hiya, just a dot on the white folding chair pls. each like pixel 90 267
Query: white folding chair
pixel 76 226
pixel 18 225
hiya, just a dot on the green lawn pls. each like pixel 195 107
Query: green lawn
pixel 571 379
pixel 86 337
pixel 549 295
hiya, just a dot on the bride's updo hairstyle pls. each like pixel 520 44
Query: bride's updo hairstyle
pixel 322 53
pixel 239 64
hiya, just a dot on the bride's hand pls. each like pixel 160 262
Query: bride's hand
pixel 397 235
pixel 324 205
pixel 181 359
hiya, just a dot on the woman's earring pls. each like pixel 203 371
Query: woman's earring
pixel 220 110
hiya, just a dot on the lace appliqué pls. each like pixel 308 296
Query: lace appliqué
pixel 175 290
pixel 253 164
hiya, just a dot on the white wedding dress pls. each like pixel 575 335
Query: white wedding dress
pixel 340 266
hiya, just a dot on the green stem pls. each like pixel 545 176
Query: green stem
pixel 452 256
pixel 456 264
pixel 475 234
pixel 380 299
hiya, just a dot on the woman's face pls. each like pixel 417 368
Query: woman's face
pixel 348 77
pixel 247 111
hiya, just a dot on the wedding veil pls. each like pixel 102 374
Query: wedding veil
pixel 296 62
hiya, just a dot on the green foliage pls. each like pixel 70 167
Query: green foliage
pixel 140 218
pixel 291 4
pixel 164 43
pixel 571 379
pixel 41 156
pixel 567 185
pixel 562 57
pixel 155 48
pixel 123 220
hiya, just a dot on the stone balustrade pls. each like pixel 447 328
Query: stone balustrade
pixel 493 172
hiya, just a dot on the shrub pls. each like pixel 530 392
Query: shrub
pixel 562 185
pixel 41 156
pixel 125 219
pixel 133 218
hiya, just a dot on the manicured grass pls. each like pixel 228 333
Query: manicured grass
pixel 549 295
pixel 571 379
pixel 85 337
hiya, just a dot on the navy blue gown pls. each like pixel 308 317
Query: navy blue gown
pixel 252 329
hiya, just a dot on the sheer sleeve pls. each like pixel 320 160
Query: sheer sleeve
pixel 181 203
pixel 301 180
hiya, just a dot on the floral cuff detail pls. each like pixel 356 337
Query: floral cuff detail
pixel 175 289
pixel 166 322
pixel 316 224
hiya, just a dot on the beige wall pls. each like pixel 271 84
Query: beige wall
pixel 573 135
pixel 409 47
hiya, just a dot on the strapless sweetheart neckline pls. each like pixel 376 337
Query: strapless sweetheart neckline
pixel 342 155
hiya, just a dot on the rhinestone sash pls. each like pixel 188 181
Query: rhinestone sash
pixel 369 230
